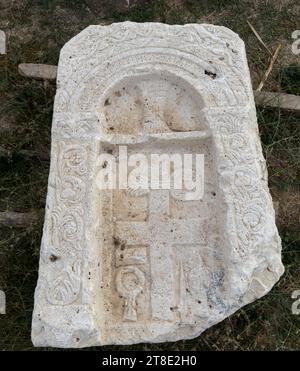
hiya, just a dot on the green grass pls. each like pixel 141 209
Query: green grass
pixel 38 29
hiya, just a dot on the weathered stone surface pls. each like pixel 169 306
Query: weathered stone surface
pixel 2 42
pixel 38 71
pixel 122 267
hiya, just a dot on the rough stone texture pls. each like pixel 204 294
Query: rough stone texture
pixel 118 267
pixel 2 42
pixel 38 71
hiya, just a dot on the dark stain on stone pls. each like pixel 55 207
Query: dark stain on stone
pixel 210 74
pixel 53 258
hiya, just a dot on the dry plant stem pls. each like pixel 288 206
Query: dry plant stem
pixel 15 219
pixel 268 71
pixel 259 38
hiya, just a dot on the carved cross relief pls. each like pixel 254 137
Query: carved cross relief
pixel 155 247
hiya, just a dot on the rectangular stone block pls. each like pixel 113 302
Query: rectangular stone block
pixel 151 264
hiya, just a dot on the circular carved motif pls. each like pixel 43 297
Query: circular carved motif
pixel 130 281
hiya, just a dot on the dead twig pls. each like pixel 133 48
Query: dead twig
pixel 268 71
pixel 259 38
pixel 15 219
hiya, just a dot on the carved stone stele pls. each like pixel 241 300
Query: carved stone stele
pixel 123 267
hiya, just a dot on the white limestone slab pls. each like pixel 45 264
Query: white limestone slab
pixel 123 267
